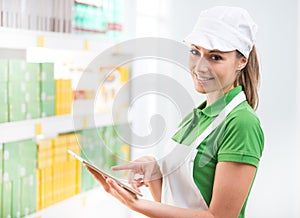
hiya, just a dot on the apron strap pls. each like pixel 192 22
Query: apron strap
pixel 220 118
pixel 179 154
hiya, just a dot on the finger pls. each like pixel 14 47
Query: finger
pixel 147 176
pixel 121 191
pixel 131 177
pixel 126 166
pixel 136 186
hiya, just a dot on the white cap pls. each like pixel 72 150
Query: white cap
pixel 224 28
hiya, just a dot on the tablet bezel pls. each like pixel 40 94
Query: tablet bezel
pixel 102 172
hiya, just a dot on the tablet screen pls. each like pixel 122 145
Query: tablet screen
pixel 128 188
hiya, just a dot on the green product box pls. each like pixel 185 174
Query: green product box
pixel 32 92
pixel 33 110
pixel 32 72
pixel 4 113
pixel 11 161
pixel 7 194
pixel 28 157
pixel 16 111
pixel 47 71
pixel 20 70
pixel 87 180
pixel 1 164
pixel 3 93
pixel 47 108
pixel 47 90
pixel 16 91
pixel 16 70
pixel 20 91
pixel 3 71
pixel 28 194
pixel 92 145
pixel 16 200
pixel 19 159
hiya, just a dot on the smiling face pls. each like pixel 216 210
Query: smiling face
pixel 213 71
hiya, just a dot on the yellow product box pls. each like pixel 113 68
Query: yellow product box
pixel 124 152
pixel 59 158
pixel 45 144
pixel 124 74
pixel 74 138
pixel 57 151
pixel 60 141
pixel 78 177
pixel 58 173
pixel 45 187
pixel 38 190
pixel 64 97
pixel 46 153
pixel 44 162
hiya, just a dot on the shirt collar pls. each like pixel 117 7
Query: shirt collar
pixel 215 108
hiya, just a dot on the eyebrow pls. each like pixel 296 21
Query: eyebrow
pixel 210 51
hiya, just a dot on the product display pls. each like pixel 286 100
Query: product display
pixel 98 17
pixel 35 170
pixel 81 16
pixel 19 178
pixel 39 174
pixel 47 89
pixel 64 97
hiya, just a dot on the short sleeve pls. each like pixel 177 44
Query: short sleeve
pixel 243 139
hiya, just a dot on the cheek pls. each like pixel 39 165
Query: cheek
pixel 226 77
pixel 191 63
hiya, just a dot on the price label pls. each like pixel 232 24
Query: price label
pixel 38 129
pixel 41 41
pixel 86 45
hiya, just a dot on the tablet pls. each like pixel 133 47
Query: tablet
pixel 123 185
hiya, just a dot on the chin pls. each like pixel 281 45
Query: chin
pixel 200 89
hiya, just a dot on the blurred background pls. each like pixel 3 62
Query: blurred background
pixel 47 50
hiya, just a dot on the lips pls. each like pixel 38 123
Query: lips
pixel 202 78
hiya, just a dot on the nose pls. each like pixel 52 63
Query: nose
pixel 202 64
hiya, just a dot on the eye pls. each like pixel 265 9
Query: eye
pixel 216 57
pixel 194 52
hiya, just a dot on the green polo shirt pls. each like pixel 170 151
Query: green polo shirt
pixel 238 139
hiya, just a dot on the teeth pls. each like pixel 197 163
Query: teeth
pixel 203 78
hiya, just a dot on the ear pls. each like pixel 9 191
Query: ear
pixel 242 63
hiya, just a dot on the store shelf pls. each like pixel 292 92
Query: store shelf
pixel 52 126
pixel 22 39
pixel 94 203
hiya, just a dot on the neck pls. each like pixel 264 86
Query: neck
pixel 213 96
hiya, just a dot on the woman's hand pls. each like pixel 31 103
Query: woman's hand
pixel 145 167
pixel 111 187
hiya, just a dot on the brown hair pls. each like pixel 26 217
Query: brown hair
pixel 249 78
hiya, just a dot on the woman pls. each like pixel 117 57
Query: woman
pixel 218 145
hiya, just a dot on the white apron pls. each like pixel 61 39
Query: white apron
pixel 178 187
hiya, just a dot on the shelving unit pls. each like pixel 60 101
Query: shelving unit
pixel 39 47
pixel 23 39
pixel 51 126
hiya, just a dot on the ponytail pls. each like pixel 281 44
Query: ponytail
pixel 249 77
